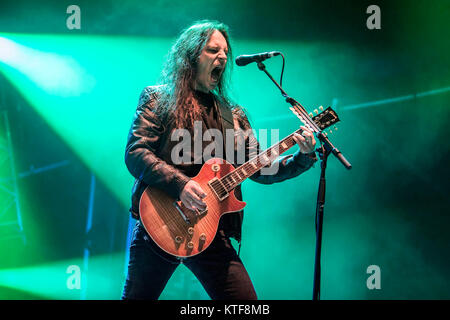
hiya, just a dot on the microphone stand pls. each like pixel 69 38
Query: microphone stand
pixel 324 151
pixel 323 155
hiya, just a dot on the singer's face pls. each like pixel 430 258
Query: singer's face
pixel 211 62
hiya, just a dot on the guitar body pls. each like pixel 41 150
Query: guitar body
pixel 182 232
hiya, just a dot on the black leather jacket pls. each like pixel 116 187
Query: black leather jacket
pixel 148 156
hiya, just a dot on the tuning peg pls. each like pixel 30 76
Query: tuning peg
pixel 316 111
pixel 335 128
pixel 311 114
pixel 321 108
pixel 331 131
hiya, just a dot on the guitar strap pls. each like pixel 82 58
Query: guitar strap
pixel 226 117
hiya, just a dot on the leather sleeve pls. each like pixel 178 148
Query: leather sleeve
pixel 142 145
pixel 289 166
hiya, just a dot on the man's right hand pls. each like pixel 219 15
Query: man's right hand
pixel 192 196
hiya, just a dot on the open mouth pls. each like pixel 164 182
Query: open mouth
pixel 216 73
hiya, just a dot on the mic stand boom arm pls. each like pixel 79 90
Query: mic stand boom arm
pixel 301 110
pixel 324 151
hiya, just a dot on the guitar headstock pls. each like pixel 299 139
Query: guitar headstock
pixel 323 119
pixel 326 118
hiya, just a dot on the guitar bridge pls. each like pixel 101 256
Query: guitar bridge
pixel 185 218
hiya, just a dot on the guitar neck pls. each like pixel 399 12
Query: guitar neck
pixel 265 158
pixel 234 178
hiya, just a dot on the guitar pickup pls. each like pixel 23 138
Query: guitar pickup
pixel 222 192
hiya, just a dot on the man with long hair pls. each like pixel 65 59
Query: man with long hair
pixel 192 94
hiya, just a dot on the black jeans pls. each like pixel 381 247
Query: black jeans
pixel 219 269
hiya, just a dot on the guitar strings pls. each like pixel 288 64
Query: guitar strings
pixel 250 168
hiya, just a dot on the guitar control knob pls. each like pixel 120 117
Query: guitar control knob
pixel 202 237
pixel 191 230
pixel 178 239
pixel 190 245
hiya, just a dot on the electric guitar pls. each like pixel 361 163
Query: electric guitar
pixel 182 232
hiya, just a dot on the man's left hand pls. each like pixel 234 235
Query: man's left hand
pixel 305 141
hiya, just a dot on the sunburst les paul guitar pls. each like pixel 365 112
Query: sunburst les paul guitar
pixel 182 232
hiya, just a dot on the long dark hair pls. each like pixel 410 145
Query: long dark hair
pixel 179 72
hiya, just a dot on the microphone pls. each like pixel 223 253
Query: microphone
pixel 245 59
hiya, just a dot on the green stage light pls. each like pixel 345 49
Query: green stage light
pixel 65 280
pixel 8 50
pixel 86 88
pixel 53 73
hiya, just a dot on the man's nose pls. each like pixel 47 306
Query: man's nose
pixel 223 57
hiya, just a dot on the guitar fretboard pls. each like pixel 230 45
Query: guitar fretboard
pixel 238 175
